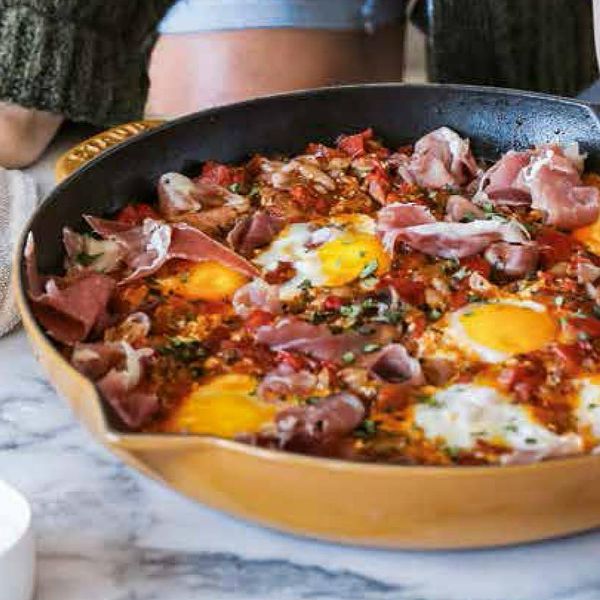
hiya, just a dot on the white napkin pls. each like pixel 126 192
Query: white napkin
pixel 18 199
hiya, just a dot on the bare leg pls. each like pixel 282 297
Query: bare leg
pixel 189 72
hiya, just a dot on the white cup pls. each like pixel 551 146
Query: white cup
pixel 17 546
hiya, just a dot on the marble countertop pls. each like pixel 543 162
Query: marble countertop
pixel 107 533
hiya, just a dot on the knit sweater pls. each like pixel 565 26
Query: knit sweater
pixel 84 59
pixel 88 59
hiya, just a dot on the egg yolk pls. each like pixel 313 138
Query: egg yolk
pixel 508 328
pixel 352 255
pixel 225 406
pixel 208 280
pixel 589 236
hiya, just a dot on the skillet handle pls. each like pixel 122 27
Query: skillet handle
pixel 87 150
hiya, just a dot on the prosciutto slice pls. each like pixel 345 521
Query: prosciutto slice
pixel 548 179
pixel 256 295
pixel 254 231
pixel 333 417
pixel 148 246
pixel 394 364
pixel 118 369
pixel 440 159
pixel 557 190
pixel 69 309
pixel 459 240
pixel 393 218
pixel 513 260
pixel 315 340
pixel 284 381
pixel 459 209
pixel 503 184
pixel 178 194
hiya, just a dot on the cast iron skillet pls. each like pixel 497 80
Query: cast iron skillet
pixel 385 505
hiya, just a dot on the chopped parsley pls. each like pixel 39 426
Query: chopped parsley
pixel 530 440
pixel 182 349
pixel 368 348
pixel 369 269
pixel 367 429
pixel 434 314
pixel 350 310
pixel 429 401
pixel 348 358
pixel 235 187
pixel 305 284
pixel 85 259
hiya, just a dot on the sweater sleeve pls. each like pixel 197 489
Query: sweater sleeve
pixel 84 59
pixel 543 45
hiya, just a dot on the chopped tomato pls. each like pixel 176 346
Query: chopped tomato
pixel 379 183
pixel 523 380
pixel 477 264
pixel 412 292
pixel 555 247
pixel 570 356
pixel 280 274
pixel 258 318
pixel 308 201
pixel 324 151
pixel 586 326
pixel 333 303
pixel 134 214
pixel 393 396
pixel 354 145
pixel 294 361
pixel 214 172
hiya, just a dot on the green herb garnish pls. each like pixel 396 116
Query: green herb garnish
pixel 348 358
pixel 85 259
pixel 369 269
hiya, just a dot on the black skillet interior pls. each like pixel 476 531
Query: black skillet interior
pixel 495 120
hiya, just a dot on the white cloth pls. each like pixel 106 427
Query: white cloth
pixel 18 200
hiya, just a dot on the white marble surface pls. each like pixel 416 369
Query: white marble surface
pixel 107 533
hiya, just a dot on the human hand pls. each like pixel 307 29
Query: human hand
pixel 24 134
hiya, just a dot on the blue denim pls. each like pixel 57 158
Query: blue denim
pixel 189 16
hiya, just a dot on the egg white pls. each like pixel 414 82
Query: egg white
pixel 298 244
pixel 461 414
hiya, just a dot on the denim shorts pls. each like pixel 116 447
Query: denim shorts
pixel 188 16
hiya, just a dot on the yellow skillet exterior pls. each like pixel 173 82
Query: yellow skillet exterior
pixel 374 505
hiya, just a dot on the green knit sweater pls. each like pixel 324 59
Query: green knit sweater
pixel 85 59
pixel 88 59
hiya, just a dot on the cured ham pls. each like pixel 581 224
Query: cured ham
pixel 178 194
pixel 461 210
pixel 332 417
pixel 459 240
pixel 257 295
pixel 440 159
pixel 148 246
pixel 315 340
pixel 285 381
pixel 513 260
pixel 547 179
pixel 393 218
pixel 69 309
pixel 394 364
pixel 254 231
pixel 118 369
